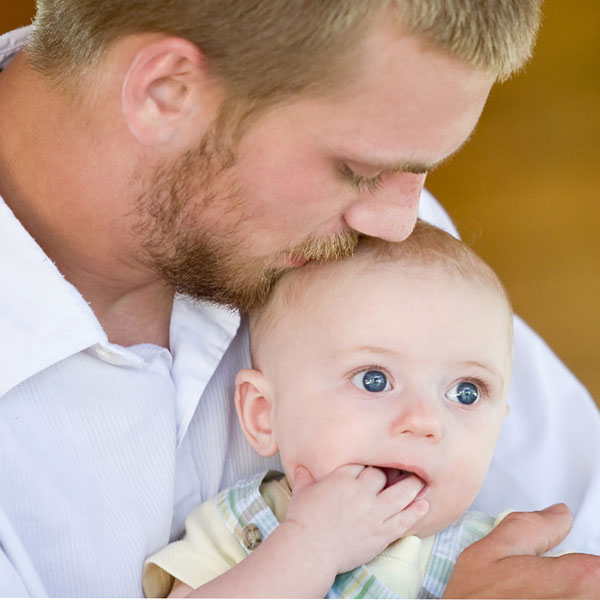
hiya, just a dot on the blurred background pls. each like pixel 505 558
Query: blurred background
pixel 525 191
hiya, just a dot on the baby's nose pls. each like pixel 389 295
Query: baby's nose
pixel 418 417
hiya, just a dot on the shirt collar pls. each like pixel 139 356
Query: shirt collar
pixel 11 43
pixel 43 318
pixel 200 335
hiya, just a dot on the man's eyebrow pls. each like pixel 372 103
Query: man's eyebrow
pixel 409 166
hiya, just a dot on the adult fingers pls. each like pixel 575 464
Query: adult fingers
pixel 527 533
pixel 575 576
pixel 580 575
pixel 504 564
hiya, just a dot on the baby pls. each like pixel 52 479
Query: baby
pixel 381 380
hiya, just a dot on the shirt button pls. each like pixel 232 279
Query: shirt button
pixel 104 354
pixel 112 357
pixel 251 536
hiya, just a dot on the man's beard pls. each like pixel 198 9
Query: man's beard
pixel 210 261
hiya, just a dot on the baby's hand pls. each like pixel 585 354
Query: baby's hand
pixel 332 526
pixel 347 518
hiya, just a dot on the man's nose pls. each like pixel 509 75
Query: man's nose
pixel 389 212
pixel 419 417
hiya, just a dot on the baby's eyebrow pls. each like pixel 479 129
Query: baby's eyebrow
pixel 491 370
pixel 476 363
pixel 363 349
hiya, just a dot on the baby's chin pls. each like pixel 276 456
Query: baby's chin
pixel 433 523
pixel 423 530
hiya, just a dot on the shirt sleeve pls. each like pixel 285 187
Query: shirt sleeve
pixel 207 550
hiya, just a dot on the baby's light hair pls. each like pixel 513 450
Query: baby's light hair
pixel 426 247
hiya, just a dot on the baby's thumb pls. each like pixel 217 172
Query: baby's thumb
pixel 302 478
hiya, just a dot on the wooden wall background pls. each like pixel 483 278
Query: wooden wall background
pixel 525 190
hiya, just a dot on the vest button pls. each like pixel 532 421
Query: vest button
pixel 251 536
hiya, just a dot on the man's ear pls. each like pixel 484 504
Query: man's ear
pixel 253 402
pixel 168 93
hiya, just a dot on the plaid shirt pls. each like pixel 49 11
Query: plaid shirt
pixel 243 505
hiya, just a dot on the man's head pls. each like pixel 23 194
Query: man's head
pixel 271 49
pixel 399 358
pixel 260 132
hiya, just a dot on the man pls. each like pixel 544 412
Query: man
pixel 201 147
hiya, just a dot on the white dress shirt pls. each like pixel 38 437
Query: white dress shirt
pixel 104 450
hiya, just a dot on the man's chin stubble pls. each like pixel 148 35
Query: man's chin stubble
pixel 204 273
pixel 205 265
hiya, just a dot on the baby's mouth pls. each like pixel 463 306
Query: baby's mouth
pixel 393 476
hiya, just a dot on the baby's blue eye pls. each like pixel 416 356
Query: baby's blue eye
pixel 372 381
pixel 465 393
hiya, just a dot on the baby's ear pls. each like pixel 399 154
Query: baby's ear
pixel 253 402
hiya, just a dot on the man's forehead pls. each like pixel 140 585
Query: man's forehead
pixel 404 120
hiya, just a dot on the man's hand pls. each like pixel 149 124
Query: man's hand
pixel 348 517
pixel 506 563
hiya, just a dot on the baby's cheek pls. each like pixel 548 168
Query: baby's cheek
pixel 309 455
pixel 467 478
pixel 320 447
pixel 323 463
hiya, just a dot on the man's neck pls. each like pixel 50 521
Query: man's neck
pixel 139 315
pixel 69 187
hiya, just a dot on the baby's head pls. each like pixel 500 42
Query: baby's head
pixel 398 357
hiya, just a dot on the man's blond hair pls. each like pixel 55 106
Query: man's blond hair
pixel 267 50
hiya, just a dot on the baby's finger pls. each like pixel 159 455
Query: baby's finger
pixel 400 523
pixel 398 496
pixel 302 478
pixel 353 470
pixel 373 478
